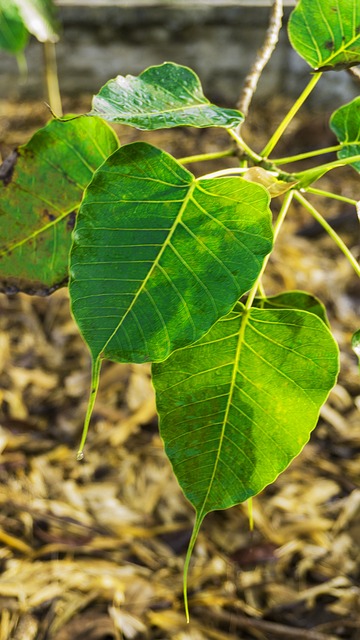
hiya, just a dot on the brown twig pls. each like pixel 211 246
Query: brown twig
pixel 273 628
pixel 262 57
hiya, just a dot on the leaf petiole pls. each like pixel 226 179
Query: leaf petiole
pixel 244 147
pixel 202 157
pixel 311 175
pixel 308 154
pixel 290 115
pixel 277 226
pixel 328 228
pixel 330 194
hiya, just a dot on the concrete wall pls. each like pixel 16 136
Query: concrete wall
pixel 218 40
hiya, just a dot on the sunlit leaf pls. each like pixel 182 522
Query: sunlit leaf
pixel 326 33
pixel 159 256
pixel 345 123
pixel 161 97
pixel 41 186
pixel 236 407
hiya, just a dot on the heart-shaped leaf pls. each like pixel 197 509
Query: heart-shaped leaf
pixel 326 33
pixel 236 407
pixel 41 186
pixel 345 123
pixel 159 256
pixel 161 97
pixel 13 34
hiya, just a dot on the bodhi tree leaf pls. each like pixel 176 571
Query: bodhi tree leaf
pixel 326 33
pixel 13 34
pixel 236 407
pixel 41 186
pixel 345 123
pixel 158 256
pixel 300 300
pixel 161 97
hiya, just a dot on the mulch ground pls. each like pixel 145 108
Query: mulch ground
pixel 95 550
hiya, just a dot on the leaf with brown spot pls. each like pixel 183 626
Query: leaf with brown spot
pixel 41 186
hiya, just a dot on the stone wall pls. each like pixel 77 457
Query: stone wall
pixel 217 39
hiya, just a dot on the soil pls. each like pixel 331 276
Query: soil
pixel 95 550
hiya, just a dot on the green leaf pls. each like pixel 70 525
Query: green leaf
pixel 300 300
pixel 236 407
pixel 159 256
pixel 326 33
pixel 13 34
pixel 41 186
pixel 355 343
pixel 161 97
pixel 39 18
pixel 345 123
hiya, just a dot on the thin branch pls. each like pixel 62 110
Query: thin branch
pixel 262 58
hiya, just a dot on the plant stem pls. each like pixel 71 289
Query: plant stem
pixel 277 226
pixel 225 172
pixel 52 80
pixel 290 115
pixel 324 168
pixel 207 156
pixel 308 154
pixel 329 194
pixel 244 147
pixel 328 228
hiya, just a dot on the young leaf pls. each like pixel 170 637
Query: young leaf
pixel 41 186
pixel 13 34
pixel 161 97
pixel 159 256
pixel 345 123
pixel 236 407
pixel 326 33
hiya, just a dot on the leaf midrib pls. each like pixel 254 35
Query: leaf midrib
pixel 155 263
pixel 244 320
pixel 36 233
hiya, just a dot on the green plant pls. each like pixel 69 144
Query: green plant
pixel 18 19
pixel 167 268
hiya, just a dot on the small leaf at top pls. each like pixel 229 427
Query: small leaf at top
pixel 345 123
pixel 161 97
pixel 158 255
pixel 41 186
pixel 13 33
pixel 326 33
